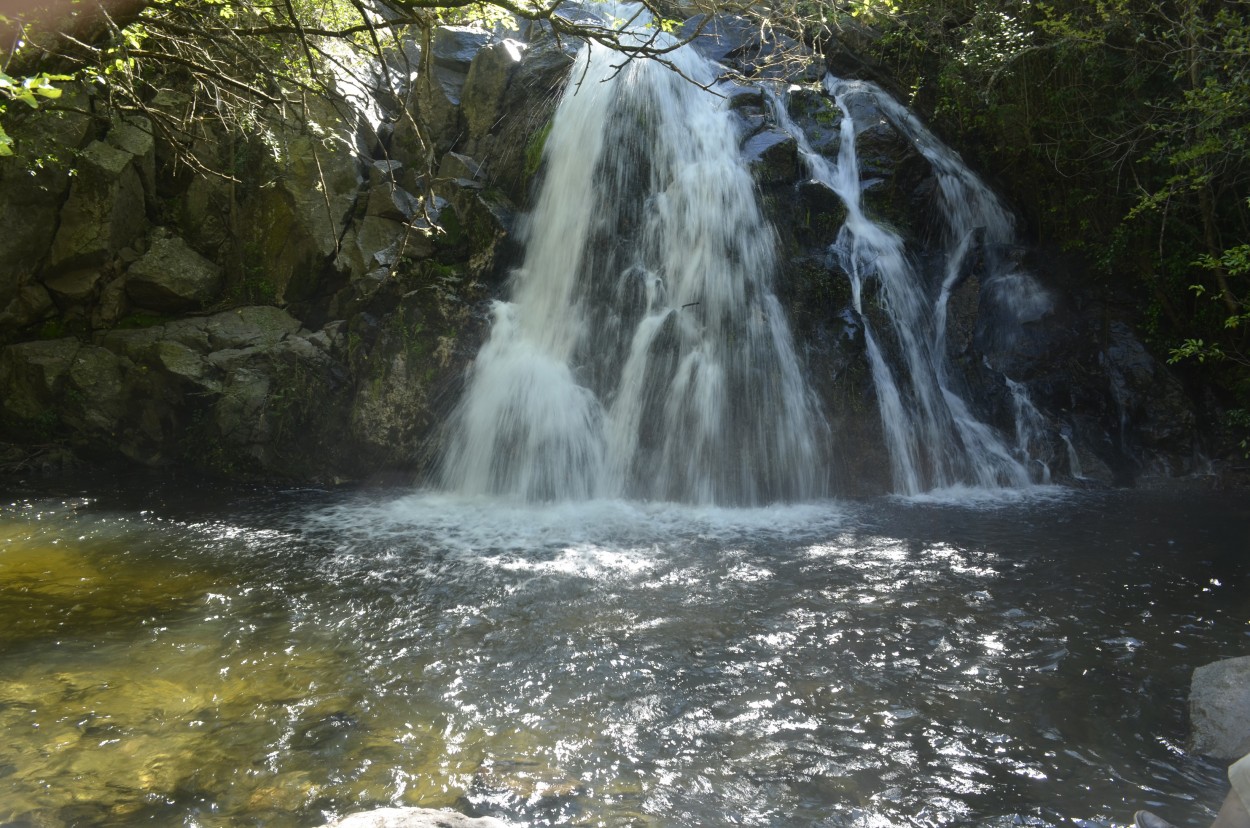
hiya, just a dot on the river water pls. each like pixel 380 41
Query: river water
pixel 172 656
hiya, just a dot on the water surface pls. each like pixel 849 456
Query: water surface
pixel 277 658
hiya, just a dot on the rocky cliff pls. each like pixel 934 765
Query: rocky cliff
pixel 310 315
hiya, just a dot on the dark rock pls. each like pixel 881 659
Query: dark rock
pixel 74 287
pixel 27 304
pixel 721 36
pixel 486 86
pixel 454 47
pixel 171 277
pixel 819 117
pixel 1148 395
pixel 1219 709
pixel 740 43
pixel 772 156
pixel 105 210
pixel 31 375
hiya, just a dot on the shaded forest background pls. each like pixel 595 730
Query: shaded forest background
pixel 1119 129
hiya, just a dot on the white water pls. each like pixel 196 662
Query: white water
pixel 1030 429
pixel 934 439
pixel 642 353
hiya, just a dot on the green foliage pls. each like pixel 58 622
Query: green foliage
pixel 534 150
pixel 32 91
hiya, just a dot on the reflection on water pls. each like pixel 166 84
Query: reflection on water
pixel 280 658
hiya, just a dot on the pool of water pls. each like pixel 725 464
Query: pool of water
pixel 176 657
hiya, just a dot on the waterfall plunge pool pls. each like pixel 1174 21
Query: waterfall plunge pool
pixel 278 658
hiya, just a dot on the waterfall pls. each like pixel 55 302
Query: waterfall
pixel 642 352
pixel 1030 429
pixel 934 439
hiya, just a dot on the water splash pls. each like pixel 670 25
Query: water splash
pixel 643 353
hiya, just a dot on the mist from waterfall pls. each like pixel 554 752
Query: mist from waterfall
pixel 642 352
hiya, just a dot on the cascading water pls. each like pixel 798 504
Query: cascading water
pixel 643 353
pixel 934 440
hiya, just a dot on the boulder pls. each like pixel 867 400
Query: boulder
pixel 105 210
pixel 486 86
pixel 249 326
pixel 289 230
pixel 27 304
pixel 1219 709
pixel 134 136
pixel 455 47
pixel 177 360
pixel 31 375
pixel 171 277
pixel 73 287
pixel 98 396
pixel 31 197
pixel 414 818
pixel 372 243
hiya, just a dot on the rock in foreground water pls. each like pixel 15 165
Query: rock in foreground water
pixel 1219 709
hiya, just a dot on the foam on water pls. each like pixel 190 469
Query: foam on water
pixel 978 497
pixel 483 525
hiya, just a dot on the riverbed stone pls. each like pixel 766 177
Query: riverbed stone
pixel 171 277
pixel 414 818
pixel 1219 709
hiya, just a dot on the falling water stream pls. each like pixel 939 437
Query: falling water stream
pixel 642 352
pixel 933 438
